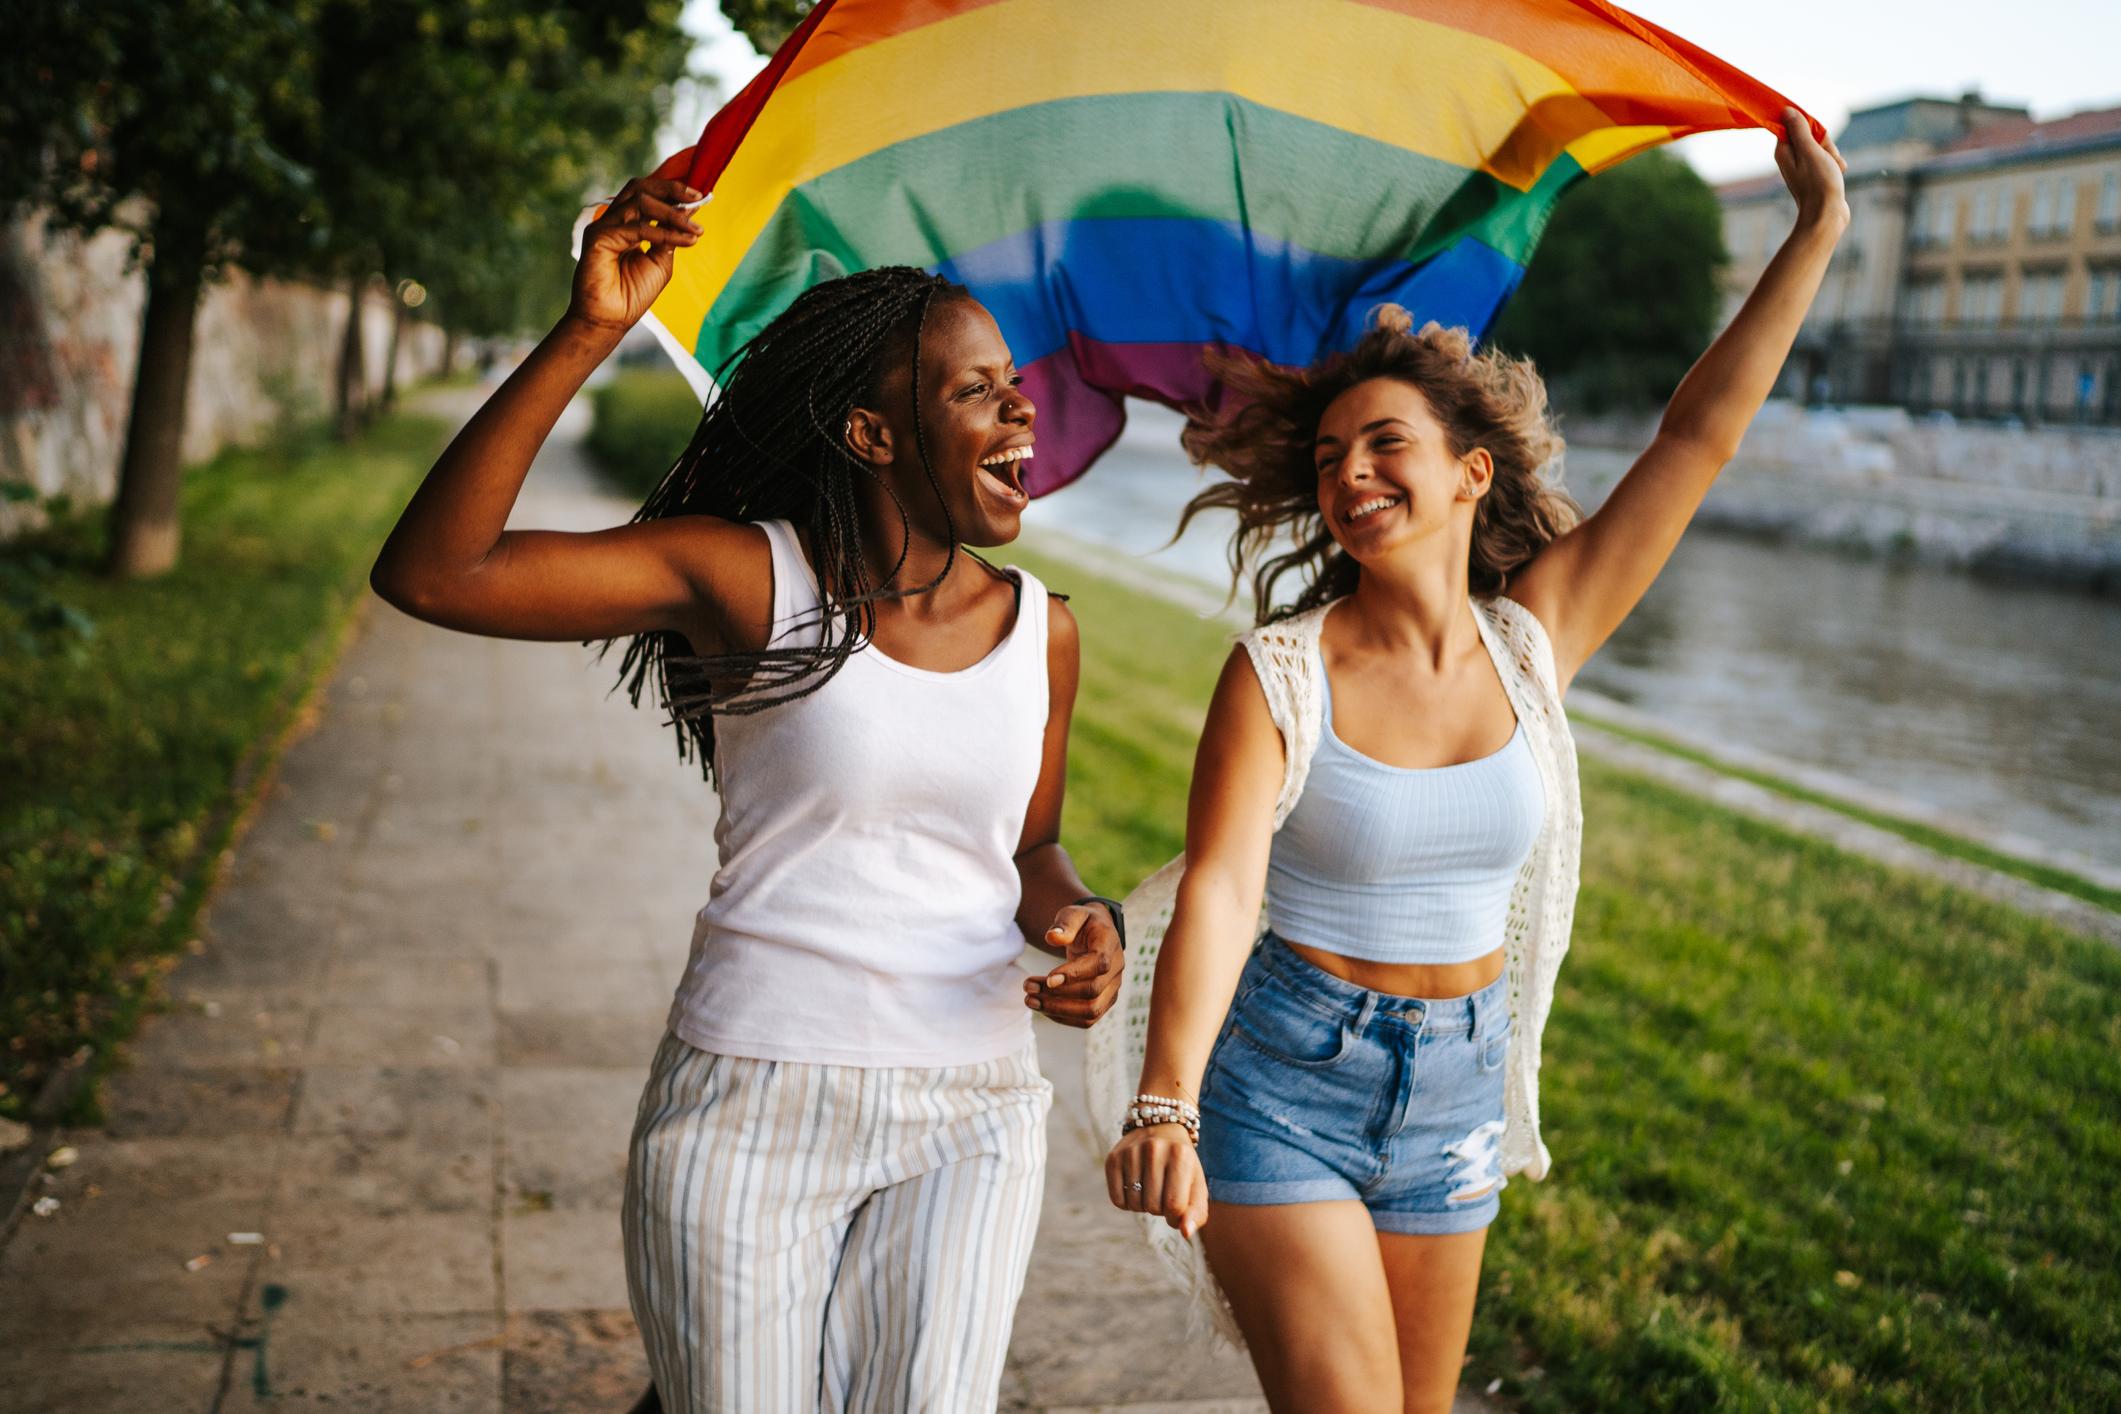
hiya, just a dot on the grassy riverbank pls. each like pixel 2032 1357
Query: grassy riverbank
pixel 136 731
pixel 1825 1135
pixel 1928 836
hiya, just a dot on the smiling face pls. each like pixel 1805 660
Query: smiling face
pixel 976 425
pixel 1387 477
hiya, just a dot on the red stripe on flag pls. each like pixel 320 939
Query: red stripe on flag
pixel 726 130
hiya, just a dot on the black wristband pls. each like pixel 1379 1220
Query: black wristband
pixel 1119 915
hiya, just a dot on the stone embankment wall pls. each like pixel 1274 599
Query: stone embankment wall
pixel 2034 503
pixel 267 351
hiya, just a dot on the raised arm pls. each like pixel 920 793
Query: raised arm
pixel 1237 775
pixel 452 562
pixel 1589 579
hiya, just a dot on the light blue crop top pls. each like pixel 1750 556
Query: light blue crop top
pixel 1397 864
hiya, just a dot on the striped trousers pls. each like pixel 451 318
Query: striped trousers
pixel 828 1237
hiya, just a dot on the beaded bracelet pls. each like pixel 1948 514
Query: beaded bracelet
pixel 1147 1110
pixel 1186 1107
pixel 1129 1125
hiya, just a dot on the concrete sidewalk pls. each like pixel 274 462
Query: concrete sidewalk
pixel 372 1160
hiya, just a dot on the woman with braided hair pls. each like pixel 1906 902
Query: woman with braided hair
pixel 837 1161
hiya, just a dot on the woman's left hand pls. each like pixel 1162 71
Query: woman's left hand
pixel 1081 989
pixel 1812 170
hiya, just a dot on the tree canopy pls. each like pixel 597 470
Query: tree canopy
pixel 449 141
pixel 458 141
pixel 766 22
pixel 179 122
pixel 1622 294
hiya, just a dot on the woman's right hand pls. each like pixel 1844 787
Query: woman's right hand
pixel 616 280
pixel 1155 1170
pixel 1813 171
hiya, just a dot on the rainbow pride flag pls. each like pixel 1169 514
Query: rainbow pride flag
pixel 1125 183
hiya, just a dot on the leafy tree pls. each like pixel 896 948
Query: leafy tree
pixel 766 22
pixel 1622 295
pixel 178 122
pixel 337 138
pixel 458 141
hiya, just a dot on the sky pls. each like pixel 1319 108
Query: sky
pixel 2052 56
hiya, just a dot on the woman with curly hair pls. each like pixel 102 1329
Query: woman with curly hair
pixel 837 1162
pixel 1387 759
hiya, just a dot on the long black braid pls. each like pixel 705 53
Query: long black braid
pixel 770 446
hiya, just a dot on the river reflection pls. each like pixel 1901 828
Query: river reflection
pixel 2000 704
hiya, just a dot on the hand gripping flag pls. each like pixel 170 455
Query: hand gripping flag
pixel 1126 183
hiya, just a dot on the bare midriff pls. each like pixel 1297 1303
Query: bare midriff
pixel 1432 980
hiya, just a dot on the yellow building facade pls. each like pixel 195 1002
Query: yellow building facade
pixel 1981 274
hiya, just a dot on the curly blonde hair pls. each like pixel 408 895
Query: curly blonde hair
pixel 1482 399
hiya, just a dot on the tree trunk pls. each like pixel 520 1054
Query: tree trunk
pixel 145 521
pixel 352 376
pixel 390 356
pixel 449 352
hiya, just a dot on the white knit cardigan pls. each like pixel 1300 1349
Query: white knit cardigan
pixel 1536 934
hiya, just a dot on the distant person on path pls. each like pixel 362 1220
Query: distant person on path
pixel 838 1160
pixel 1388 761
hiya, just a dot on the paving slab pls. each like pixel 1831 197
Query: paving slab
pixel 563 1362
pixel 389 1100
pixel 386 1176
pixel 379 1364
pixel 338 1260
pixel 173 1374
pixel 563 1259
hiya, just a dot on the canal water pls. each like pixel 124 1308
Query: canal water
pixel 1993 703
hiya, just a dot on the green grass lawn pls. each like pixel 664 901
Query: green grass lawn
pixel 127 755
pixel 1825 1136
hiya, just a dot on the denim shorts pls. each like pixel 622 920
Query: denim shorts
pixel 1319 1089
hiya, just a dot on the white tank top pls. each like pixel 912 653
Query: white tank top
pixel 864 910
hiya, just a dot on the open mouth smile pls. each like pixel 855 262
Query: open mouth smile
pixel 1004 471
pixel 1370 508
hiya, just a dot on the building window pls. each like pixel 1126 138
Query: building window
pixel 2103 304
pixel 2040 297
pixel 2054 209
pixel 1981 299
pixel 1995 221
pixel 2110 201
